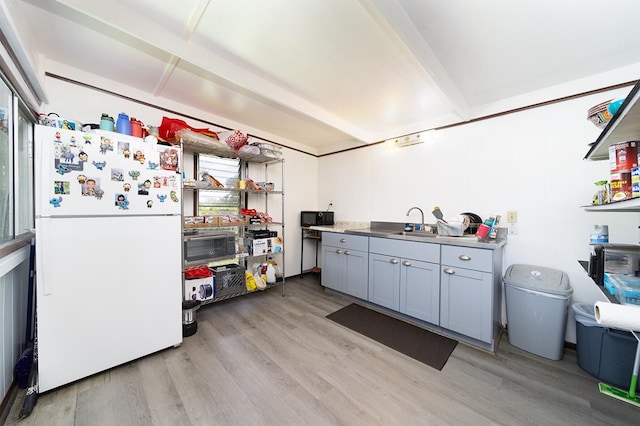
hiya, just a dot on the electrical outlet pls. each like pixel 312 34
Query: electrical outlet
pixel 512 217
pixel 513 229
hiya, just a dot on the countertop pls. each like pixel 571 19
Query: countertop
pixel 391 230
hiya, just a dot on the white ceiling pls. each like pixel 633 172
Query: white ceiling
pixel 331 74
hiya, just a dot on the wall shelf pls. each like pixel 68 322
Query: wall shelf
pixel 624 126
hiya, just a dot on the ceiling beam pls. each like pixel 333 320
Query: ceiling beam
pixel 142 28
pixel 409 37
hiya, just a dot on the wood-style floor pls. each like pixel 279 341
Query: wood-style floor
pixel 262 359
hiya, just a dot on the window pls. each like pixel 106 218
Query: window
pixel 227 171
pixel 6 162
pixel 16 166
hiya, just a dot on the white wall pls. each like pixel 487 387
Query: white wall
pixel 530 162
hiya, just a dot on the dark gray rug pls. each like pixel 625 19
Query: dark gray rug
pixel 418 343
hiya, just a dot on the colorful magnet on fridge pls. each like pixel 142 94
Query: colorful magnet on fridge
pixel 149 204
pixel 62 169
pixel 82 179
pixel 100 165
pixel 99 194
pixel 83 156
pixel 73 140
pixel 87 139
pixel 162 197
pixel 152 165
pixel 55 202
pixel 174 196
pixel 126 187
pixel 134 174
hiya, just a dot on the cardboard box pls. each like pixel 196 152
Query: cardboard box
pixel 199 288
pixel 263 245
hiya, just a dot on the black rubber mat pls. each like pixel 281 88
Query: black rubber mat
pixel 418 343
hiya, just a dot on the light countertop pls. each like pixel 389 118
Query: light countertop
pixel 394 231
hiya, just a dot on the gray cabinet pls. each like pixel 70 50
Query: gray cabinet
pixel 404 276
pixel 345 261
pixel 470 291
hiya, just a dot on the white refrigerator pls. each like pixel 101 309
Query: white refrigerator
pixel 108 251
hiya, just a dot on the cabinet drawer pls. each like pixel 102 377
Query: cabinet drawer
pixel 469 258
pixel 426 252
pixel 351 242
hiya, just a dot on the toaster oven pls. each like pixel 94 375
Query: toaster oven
pixel 210 245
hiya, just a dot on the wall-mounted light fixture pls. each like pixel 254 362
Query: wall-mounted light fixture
pixel 412 139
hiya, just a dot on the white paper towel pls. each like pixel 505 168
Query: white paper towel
pixel 625 317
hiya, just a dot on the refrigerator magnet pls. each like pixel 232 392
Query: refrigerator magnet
pixel 153 166
pixel 149 204
pixel 117 175
pixel 174 196
pixel 56 201
pixel 90 187
pixel 83 156
pixel 100 165
pixel 162 197
pixel 134 174
pixel 61 187
pixel 121 202
pixel 105 145
pixel 126 187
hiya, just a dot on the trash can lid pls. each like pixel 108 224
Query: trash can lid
pixel 538 278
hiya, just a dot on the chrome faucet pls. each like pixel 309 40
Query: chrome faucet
pixel 421 215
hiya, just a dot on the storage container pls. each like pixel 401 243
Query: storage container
pixel 229 280
pixel 605 353
pixel 537 299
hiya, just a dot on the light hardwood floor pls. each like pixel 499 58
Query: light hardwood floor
pixel 262 359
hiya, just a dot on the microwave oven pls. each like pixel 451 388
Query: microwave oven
pixel 316 218
pixel 207 246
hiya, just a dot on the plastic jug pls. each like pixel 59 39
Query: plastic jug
pixel 106 123
pixel 271 274
pixel 123 125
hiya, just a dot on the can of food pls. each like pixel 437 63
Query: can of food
pixel 623 156
pixel 621 187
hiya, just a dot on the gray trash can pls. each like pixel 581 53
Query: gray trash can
pixel 606 353
pixel 537 300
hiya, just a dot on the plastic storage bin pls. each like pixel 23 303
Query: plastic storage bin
pixel 605 353
pixel 537 300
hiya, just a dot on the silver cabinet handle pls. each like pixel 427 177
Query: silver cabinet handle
pixel 449 271
pixel 394 261
pixel 406 263
pixel 343 240
pixel 347 252
pixel 464 257
pixel 338 251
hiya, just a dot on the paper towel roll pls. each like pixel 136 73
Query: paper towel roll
pixel 625 317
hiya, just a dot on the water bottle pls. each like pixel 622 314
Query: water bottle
pixel 123 125
pixel 106 123
pixel 136 128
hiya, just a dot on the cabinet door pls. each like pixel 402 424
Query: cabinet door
pixel 332 269
pixel 466 302
pixel 355 278
pixel 384 281
pixel 420 290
